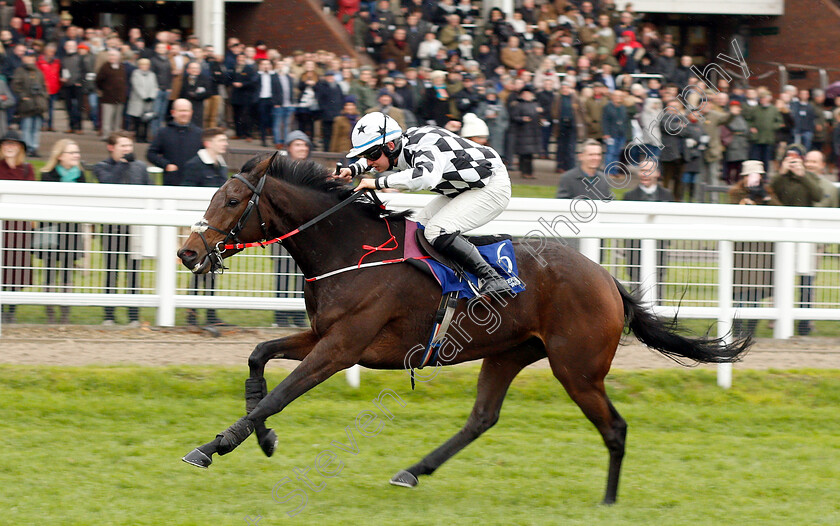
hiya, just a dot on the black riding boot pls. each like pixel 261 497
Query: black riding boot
pixel 465 254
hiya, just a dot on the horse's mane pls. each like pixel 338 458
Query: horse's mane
pixel 311 174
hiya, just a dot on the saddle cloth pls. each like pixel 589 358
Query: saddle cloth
pixel 496 250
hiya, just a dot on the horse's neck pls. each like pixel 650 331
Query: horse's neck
pixel 330 243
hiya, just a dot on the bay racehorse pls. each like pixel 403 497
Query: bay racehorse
pixel 573 312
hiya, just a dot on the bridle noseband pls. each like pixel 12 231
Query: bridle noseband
pixel 215 253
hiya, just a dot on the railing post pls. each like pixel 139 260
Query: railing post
pixel 784 279
pixel 647 273
pixel 166 268
pixel 591 248
pixel 726 263
pixel 354 377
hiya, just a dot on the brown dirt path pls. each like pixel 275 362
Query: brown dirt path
pixel 87 345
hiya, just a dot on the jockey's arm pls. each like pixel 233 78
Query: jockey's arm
pixel 425 173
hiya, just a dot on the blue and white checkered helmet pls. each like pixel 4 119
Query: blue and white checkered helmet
pixel 372 130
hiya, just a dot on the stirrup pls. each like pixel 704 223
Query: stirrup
pixel 495 285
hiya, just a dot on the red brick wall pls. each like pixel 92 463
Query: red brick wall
pixel 808 35
pixel 287 25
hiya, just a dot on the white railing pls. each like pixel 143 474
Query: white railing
pixel 697 278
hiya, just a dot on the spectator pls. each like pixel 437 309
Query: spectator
pixel 714 117
pixel 435 108
pixel 283 113
pixel 805 118
pixel 386 106
pixel 17 235
pixel 648 190
pixel 406 92
pixel 207 169
pixel 141 102
pixel 195 87
pixel 174 145
pixel 49 21
pixel 570 124
pixel 289 276
pixel 693 148
pixel 734 137
pixel 89 85
pixel 31 92
pixel 50 66
pixel 244 86
pixel 269 97
pixel 493 112
pixel 161 66
pixel 824 117
pixel 330 102
pixel 648 120
pixel 428 48
pixel 587 180
pixel 65 166
pixel 764 120
pixel 362 89
pixel 308 111
pixel 73 78
pixel 217 77
pixel 546 100
pixel 120 168
pixel 398 49
pixel 7 102
pixel 753 261
pixel 343 126
pixel 512 56
pixel 450 34
pixel 112 82
pixel 795 185
pixel 593 109
pixel 525 117
pixel 467 99
pixel 475 129
pixel 616 129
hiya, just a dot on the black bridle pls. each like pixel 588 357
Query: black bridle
pixel 215 253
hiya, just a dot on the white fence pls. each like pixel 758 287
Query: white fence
pixel 693 269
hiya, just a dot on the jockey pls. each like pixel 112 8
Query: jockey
pixel 472 180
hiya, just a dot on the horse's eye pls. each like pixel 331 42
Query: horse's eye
pixel 233 202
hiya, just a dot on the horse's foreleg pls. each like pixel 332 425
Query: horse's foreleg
pixel 327 358
pixel 294 347
pixel 497 372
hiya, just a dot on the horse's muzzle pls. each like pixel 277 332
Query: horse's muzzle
pixel 191 260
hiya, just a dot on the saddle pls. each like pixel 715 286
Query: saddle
pixel 454 281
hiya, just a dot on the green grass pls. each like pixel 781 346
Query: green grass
pixel 102 446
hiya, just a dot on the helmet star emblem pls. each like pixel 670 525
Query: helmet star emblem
pixel 362 128
pixel 382 130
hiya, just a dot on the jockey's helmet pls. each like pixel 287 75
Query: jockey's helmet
pixel 373 131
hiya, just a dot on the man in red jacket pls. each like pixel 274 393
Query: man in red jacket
pixel 50 66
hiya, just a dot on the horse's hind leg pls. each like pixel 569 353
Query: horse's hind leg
pixel 497 372
pixel 294 347
pixel 584 381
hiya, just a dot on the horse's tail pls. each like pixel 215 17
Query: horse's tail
pixel 666 336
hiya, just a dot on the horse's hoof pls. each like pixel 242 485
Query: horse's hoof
pixel 268 443
pixel 197 459
pixel 404 479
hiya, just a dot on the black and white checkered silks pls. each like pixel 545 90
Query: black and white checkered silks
pixel 436 159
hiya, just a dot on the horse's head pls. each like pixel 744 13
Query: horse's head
pixel 233 216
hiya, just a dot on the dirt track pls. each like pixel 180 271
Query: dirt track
pixel 84 345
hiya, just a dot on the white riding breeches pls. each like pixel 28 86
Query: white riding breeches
pixel 467 210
